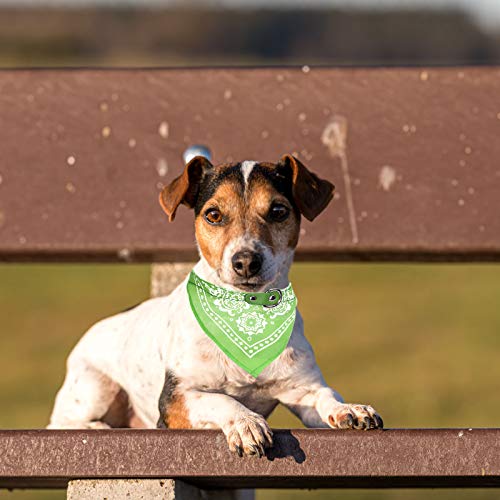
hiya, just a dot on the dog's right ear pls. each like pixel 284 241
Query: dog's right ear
pixel 184 189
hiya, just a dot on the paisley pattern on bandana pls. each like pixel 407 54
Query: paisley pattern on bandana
pixel 252 335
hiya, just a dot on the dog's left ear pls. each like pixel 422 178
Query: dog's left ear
pixel 311 194
pixel 184 189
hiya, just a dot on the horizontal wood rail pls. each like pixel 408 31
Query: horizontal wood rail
pixel 413 153
pixel 300 458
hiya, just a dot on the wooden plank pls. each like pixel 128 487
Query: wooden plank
pixel 85 152
pixel 300 458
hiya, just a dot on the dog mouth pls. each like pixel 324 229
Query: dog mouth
pixel 250 286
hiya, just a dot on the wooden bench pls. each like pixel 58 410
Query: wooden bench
pixel 413 153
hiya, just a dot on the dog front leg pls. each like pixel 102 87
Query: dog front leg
pixel 318 405
pixel 246 432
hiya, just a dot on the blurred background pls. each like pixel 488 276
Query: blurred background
pixel 235 32
pixel 426 335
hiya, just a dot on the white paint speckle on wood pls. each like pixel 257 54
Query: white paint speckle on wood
pixel 163 130
pixel 387 177
pixel 162 167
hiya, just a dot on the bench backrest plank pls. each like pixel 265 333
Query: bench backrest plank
pixel 413 153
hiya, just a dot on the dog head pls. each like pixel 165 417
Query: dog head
pixel 247 215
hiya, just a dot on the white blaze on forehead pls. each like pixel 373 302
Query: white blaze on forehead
pixel 246 169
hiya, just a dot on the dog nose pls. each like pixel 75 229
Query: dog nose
pixel 246 264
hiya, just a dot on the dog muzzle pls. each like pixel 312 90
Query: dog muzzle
pixel 252 329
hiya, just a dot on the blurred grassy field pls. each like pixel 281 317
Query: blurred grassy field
pixel 426 336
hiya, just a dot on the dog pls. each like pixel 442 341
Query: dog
pixel 157 357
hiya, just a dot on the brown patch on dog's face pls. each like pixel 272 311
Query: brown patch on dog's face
pixel 213 238
pixel 280 235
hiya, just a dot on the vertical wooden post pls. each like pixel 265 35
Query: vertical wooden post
pixel 165 277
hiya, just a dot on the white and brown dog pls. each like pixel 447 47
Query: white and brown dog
pixel 247 219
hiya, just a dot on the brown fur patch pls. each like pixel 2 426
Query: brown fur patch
pixel 213 239
pixel 280 236
pixel 177 414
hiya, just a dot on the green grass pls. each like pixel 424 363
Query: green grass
pixel 419 342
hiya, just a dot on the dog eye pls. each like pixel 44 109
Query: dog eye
pixel 213 216
pixel 279 212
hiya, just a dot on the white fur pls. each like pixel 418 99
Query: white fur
pixel 246 169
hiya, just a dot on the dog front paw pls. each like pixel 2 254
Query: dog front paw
pixel 347 416
pixel 249 435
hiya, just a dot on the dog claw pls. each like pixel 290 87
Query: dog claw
pixel 260 450
pixel 255 449
pixel 239 450
pixel 269 436
pixel 361 417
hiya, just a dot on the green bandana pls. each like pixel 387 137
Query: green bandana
pixel 252 329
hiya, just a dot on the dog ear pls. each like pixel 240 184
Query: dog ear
pixel 184 189
pixel 311 194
